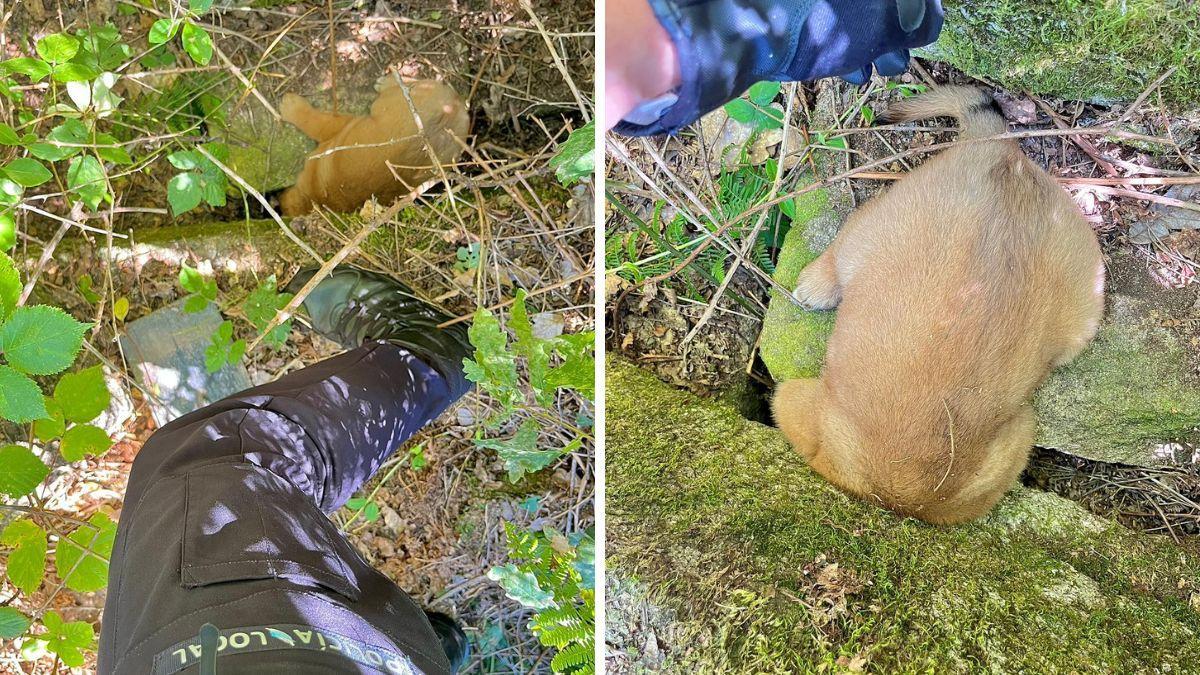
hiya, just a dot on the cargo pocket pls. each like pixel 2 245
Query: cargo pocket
pixel 243 522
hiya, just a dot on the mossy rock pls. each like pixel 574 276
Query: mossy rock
pixel 762 566
pixel 1130 394
pixel 1077 49
pixel 269 153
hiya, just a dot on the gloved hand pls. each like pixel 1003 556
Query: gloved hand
pixel 724 46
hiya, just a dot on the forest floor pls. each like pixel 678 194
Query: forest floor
pixel 500 223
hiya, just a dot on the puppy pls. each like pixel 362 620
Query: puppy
pixel 351 162
pixel 958 291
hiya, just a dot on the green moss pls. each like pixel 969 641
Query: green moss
pixel 793 340
pixel 729 529
pixel 1127 393
pixel 1077 49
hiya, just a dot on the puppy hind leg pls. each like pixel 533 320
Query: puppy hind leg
pixel 316 124
pixel 818 286
pixel 796 407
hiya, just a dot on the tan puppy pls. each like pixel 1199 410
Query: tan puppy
pixel 958 290
pixel 350 164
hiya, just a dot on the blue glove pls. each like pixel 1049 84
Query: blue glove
pixel 724 46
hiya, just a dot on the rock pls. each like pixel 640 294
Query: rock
pixel 166 350
pixel 1164 219
pixel 1095 51
pixel 732 539
pixel 1132 393
pixel 726 137
pixel 120 406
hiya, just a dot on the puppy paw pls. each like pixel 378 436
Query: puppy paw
pixel 816 291
pixel 292 108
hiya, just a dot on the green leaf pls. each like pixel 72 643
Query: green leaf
pixel 195 303
pixel 121 308
pixel 52 153
pixel 520 453
pixel 85 177
pixel 534 350
pixel 494 368
pixel 522 587
pixel 74 72
pixel 10 287
pixel 76 559
pixel 58 47
pixel 199 6
pixel 68 640
pixel 416 457
pixel 27 564
pixel 8 136
pixel 27 172
pixel 110 150
pixel 8 236
pixel 236 351
pixel 83 395
pixel 53 425
pixel 741 110
pixel 184 193
pixel 162 31
pixel 190 279
pixel 83 440
pixel 578 368
pixel 34 69
pixel 85 285
pixel 20 399
pixel 576 159
pixel 20 471
pixel 41 340
pixel 185 160
pixel 762 93
pixel 868 114
pixel 13 623
pixel 215 357
pixel 197 43
pixel 260 308
pixel 70 132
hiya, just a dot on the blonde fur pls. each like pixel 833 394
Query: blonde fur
pixel 958 290
pixel 351 162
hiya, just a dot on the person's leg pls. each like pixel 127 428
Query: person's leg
pixel 223 520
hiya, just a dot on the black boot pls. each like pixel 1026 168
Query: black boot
pixel 454 640
pixel 352 306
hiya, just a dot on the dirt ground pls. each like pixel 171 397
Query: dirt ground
pixel 441 527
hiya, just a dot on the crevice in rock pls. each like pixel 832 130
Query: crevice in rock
pixel 1154 499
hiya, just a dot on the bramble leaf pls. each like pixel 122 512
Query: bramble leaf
pixel 83 395
pixel 20 471
pixel 81 559
pixel 27 564
pixel 82 440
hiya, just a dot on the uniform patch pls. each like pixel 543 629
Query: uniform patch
pixel 276 637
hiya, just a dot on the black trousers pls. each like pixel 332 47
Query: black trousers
pixel 224 523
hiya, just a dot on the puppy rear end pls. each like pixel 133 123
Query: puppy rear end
pixel 959 289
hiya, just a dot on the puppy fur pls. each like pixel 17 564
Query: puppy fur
pixel 350 164
pixel 958 290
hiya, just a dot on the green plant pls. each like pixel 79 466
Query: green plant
pixel 658 246
pixel 756 109
pixel 576 159
pixel 196 41
pixel 258 308
pixel 561 362
pixel 41 341
pixel 554 575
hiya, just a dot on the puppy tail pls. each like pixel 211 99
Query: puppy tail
pixel 977 112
